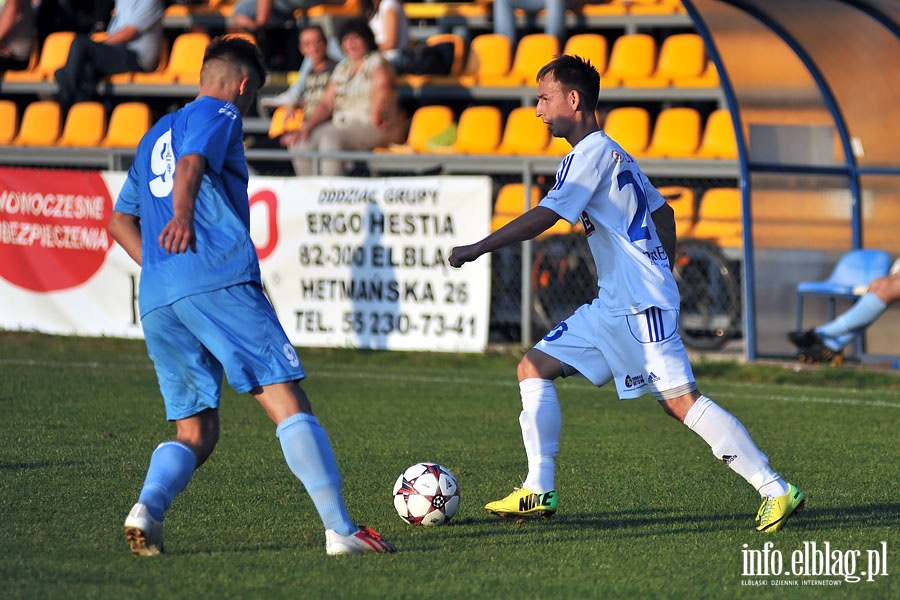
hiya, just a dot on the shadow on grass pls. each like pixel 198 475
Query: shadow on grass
pixel 44 464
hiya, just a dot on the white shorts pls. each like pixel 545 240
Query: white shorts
pixel 643 352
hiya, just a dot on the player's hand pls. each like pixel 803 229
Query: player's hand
pixel 178 235
pixel 462 254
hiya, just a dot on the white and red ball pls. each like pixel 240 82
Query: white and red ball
pixel 426 494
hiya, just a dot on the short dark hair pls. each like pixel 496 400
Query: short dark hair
pixel 574 73
pixel 361 28
pixel 318 28
pixel 237 49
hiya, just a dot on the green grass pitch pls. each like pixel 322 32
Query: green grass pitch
pixel 645 509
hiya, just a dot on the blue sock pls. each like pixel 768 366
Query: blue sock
pixel 841 331
pixel 308 454
pixel 171 468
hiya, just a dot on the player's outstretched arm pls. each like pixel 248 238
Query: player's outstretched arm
pixel 524 227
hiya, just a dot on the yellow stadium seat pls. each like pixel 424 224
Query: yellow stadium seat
pixel 40 124
pixel 676 134
pixel 185 59
pixel 719 217
pixel 425 123
pixel 9 121
pixel 709 78
pixel 605 9
pixel 350 8
pixel 524 134
pixel 633 56
pixel 511 203
pixel 128 123
pixel 459 53
pixel 681 56
pixel 683 202
pixel 478 130
pixel 630 127
pixel 591 46
pixel 718 137
pixel 490 55
pixel 557 147
pixel 533 52
pixel 278 125
pixel 84 127
pixel 654 7
pixel 53 56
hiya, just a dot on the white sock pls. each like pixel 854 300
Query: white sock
pixel 541 422
pixel 731 443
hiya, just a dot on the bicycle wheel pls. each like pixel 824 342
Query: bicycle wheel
pixel 710 295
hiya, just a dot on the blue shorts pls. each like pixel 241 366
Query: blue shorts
pixel 234 331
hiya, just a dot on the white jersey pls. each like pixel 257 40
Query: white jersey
pixel 601 184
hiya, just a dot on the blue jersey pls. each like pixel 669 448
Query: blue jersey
pixel 225 253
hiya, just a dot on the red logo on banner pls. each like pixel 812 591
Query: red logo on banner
pixel 52 227
pixel 269 200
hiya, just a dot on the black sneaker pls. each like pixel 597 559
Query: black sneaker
pixel 805 339
pixel 821 354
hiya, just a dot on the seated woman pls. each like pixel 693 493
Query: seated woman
pixel 359 110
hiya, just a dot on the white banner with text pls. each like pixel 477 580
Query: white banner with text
pixel 346 262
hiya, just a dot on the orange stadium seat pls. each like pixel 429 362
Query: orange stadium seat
pixel 277 124
pixel 681 56
pixel 425 123
pixel 654 7
pixel 557 147
pixel 511 203
pixel 490 55
pixel 633 56
pixel 676 134
pixel 524 133
pixel 718 137
pixel 533 52
pixel 478 130
pixel 53 56
pixel 605 9
pixel 184 63
pixel 9 121
pixel 459 53
pixel 683 202
pixel 591 46
pixel 707 79
pixel 719 217
pixel 350 8
pixel 630 127
pixel 40 124
pixel 128 123
pixel 84 127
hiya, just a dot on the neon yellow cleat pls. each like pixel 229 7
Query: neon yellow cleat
pixel 522 502
pixel 773 512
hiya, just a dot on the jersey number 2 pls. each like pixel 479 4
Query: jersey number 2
pixel 637 230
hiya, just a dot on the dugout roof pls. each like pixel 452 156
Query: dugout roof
pixel 814 90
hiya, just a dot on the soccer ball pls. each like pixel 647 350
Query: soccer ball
pixel 426 494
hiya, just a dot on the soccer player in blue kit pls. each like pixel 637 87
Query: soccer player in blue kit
pixel 183 214
pixel 628 333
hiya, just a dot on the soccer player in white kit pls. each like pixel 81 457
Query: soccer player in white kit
pixel 629 332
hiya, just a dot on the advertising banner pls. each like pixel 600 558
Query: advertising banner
pixel 346 262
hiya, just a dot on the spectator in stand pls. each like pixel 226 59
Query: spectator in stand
pixel 313 76
pixel 313 46
pixel 253 15
pixel 359 109
pixel 80 16
pixel 132 43
pixel 390 26
pixel 554 18
pixel 16 35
